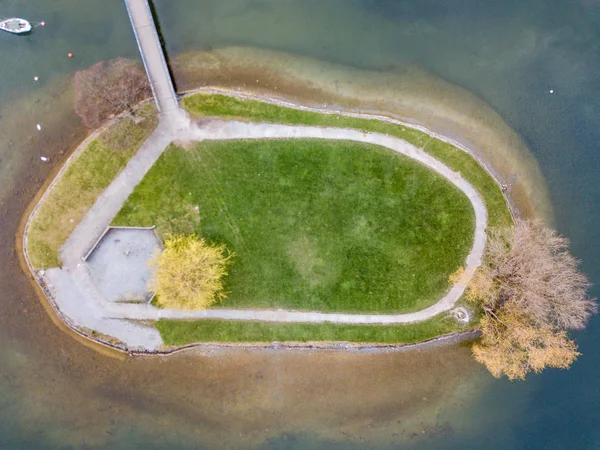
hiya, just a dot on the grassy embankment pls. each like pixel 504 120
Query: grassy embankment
pixel 177 333
pixel 201 105
pixel 85 178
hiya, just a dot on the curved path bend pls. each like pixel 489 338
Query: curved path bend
pixel 81 303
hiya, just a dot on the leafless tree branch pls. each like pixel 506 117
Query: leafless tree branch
pixel 109 88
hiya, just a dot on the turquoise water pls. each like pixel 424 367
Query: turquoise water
pixel 54 393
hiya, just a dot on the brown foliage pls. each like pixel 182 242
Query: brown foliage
pixel 188 273
pixel 109 88
pixel 513 346
pixel 531 291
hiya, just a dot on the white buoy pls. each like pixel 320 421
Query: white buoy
pixel 43 158
pixel 552 91
pixel 39 127
pixel 36 78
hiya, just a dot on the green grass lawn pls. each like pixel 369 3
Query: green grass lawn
pixel 315 225
pixel 204 104
pixel 177 332
pixel 85 178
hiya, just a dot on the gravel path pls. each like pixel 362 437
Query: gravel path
pixel 79 299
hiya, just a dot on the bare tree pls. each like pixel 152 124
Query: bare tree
pixel 531 291
pixel 109 88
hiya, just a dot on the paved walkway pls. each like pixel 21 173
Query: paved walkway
pixel 80 300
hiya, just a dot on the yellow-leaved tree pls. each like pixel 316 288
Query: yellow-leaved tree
pixel 189 272
pixel 531 292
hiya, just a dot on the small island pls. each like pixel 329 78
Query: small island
pixel 319 227
pixel 322 228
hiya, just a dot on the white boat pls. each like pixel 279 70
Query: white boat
pixel 15 25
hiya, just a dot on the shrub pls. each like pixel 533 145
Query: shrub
pixel 189 273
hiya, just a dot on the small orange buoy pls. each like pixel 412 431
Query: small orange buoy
pixel 43 24
pixel 70 55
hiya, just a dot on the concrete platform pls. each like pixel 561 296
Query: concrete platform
pixel 118 264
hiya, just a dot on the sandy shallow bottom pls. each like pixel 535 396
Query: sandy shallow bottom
pixel 240 399
pixel 58 391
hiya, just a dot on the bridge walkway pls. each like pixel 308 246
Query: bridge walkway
pixel 153 57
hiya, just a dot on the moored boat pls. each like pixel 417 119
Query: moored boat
pixel 15 25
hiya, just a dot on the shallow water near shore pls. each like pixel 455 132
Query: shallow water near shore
pixel 56 393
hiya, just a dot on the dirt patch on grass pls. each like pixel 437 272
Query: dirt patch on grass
pixel 304 253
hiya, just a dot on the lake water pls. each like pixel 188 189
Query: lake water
pixel 56 393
